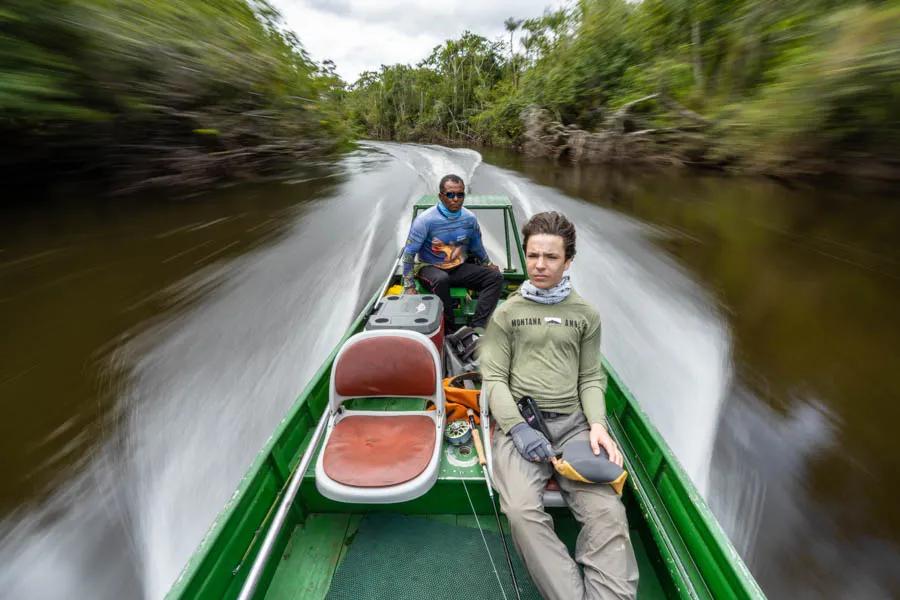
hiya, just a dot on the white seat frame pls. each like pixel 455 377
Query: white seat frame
pixel 550 497
pixel 401 492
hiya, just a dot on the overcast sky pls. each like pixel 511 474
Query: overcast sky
pixel 360 35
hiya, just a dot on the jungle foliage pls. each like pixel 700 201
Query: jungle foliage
pixel 758 81
pixel 167 92
pixel 159 91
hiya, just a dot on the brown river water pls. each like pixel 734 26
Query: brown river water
pixel 150 345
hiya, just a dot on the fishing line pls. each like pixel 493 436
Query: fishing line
pixel 484 539
pixel 512 571
pixel 482 458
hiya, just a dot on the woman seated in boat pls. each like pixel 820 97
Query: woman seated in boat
pixel 442 238
pixel 544 342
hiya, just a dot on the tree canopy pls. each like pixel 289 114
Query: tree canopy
pixel 775 81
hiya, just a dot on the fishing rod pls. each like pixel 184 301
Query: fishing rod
pixel 476 438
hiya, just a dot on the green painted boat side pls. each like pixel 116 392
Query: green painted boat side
pixel 690 555
pixel 473 202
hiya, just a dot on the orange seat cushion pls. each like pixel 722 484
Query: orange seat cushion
pixel 372 451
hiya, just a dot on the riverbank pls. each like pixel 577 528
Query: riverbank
pixel 689 141
pixel 662 150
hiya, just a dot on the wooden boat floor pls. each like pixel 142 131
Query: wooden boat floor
pixel 318 546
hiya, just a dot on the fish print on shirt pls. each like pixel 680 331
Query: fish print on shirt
pixel 453 253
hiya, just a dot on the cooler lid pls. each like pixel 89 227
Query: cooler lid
pixel 412 312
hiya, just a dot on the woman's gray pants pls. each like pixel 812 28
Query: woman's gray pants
pixel 603 548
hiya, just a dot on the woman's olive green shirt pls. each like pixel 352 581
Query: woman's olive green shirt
pixel 550 352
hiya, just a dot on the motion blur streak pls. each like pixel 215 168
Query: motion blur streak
pixel 208 386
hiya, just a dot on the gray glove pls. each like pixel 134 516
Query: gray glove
pixel 531 443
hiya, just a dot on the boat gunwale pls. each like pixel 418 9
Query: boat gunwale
pixel 221 520
pixel 669 460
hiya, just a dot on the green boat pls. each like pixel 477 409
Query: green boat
pixel 280 537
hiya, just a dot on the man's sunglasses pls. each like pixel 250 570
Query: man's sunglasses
pixel 455 195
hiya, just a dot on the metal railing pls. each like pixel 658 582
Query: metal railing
pixel 265 551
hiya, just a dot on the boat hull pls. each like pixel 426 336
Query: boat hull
pixel 681 549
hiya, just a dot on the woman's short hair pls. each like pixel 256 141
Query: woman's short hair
pixel 551 223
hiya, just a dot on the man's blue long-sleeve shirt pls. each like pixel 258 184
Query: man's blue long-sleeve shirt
pixel 442 242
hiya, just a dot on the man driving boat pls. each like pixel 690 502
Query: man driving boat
pixel 544 342
pixel 446 239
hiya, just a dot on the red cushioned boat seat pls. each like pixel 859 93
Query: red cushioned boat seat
pixel 370 451
pixel 385 366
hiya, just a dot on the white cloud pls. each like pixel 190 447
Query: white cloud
pixel 361 35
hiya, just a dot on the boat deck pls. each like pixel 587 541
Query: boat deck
pixel 318 545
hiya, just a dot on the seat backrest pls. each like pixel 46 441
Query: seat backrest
pixel 387 363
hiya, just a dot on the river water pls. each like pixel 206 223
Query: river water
pixel 150 345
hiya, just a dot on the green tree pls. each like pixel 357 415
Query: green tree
pixel 759 82
pixel 160 90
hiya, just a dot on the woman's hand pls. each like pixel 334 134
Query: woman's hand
pixel 600 437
